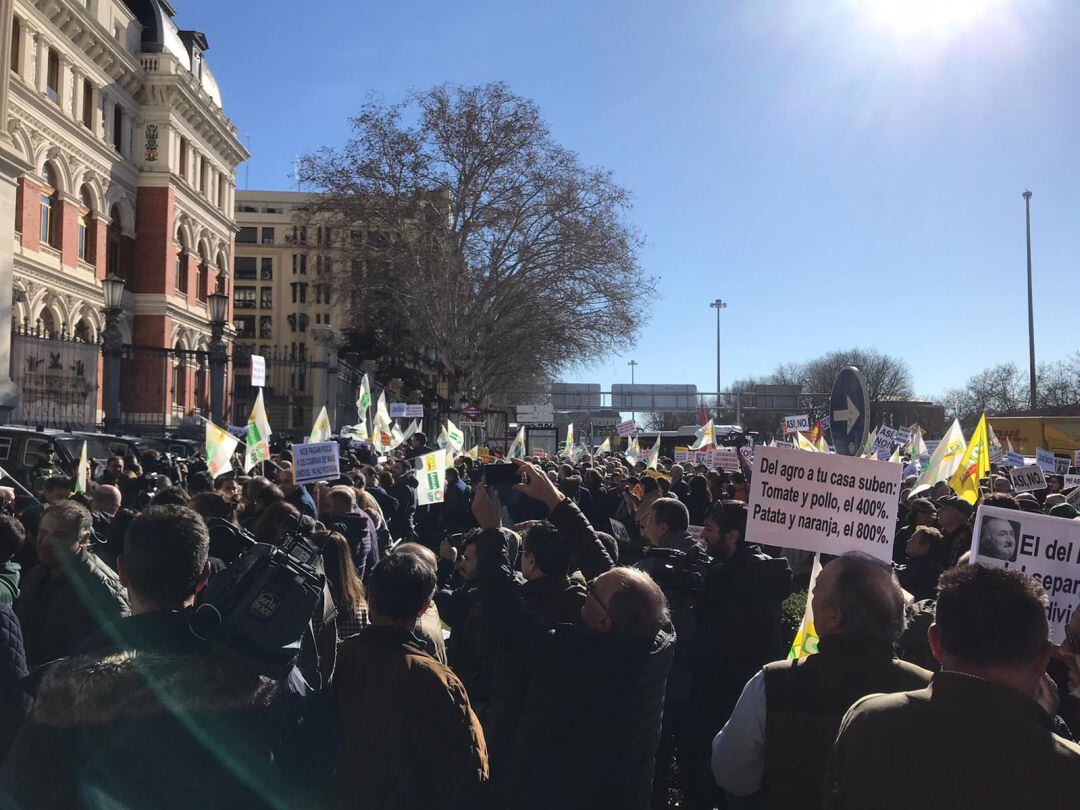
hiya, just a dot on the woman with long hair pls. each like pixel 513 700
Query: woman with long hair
pixel 345 586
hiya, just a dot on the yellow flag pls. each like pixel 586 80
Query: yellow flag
pixel 806 637
pixel 975 464
pixel 320 431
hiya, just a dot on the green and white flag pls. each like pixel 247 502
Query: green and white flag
pixel 568 445
pixel 363 404
pixel 517 448
pixel 455 438
pixel 605 447
pixel 258 435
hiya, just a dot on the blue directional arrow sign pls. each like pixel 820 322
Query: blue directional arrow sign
pixel 849 411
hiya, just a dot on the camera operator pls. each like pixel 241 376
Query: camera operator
pixel 147 713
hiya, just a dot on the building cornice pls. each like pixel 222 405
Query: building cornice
pixel 90 37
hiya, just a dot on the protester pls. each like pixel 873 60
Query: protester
pixel 71 593
pixel 976 737
pixel 595 692
pixel 782 728
pixel 12 537
pixel 129 721
pixel 738 631
pixel 923 552
pixel 391 697
pixel 342 515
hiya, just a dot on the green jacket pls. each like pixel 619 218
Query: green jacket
pixel 58 611
pixel 10 574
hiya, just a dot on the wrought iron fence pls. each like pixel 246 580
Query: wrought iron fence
pixel 58 376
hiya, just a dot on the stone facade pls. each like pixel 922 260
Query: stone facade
pixel 120 161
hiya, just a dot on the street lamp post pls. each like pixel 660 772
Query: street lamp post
pixel 633 365
pixel 718 305
pixel 112 345
pixel 219 356
pixel 1031 309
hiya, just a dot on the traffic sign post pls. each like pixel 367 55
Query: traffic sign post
pixel 849 411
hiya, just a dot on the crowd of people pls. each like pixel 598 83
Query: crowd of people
pixel 594 635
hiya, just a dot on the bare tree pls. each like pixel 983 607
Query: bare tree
pixel 669 420
pixel 1002 390
pixel 478 246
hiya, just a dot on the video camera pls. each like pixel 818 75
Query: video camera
pixel 259 607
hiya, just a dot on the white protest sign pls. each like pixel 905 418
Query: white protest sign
pixel 1027 479
pixel 726 458
pixel 1014 460
pixel 884 441
pixel 1072 481
pixel 1073 498
pixel 431 477
pixel 317 461
pixel 788 445
pixel 826 423
pixel 258 370
pixel 1062 465
pixel 1045 460
pixel 1076 458
pixel 903 436
pixel 682 455
pixel 627 428
pixel 1047 548
pixel 821 502
pixel 794 424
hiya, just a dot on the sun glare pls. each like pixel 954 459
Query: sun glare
pixel 914 17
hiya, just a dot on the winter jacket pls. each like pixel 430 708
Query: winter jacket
pixel 58 611
pixel 10 574
pixel 402 521
pixel 920 576
pixel 299 497
pixel 965 741
pixel 591 711
pixel 738 630
pixel 472 649
pixel 359 531
pixel 13 702
pixel 409 736
pixel 148 730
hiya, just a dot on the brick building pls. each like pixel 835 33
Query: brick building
pixel 118 160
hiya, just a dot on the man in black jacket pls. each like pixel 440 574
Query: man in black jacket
pixel 590 718
pixel 739 630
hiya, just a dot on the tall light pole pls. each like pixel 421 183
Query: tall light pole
pixel 633 365
pixel 1031 309
pixel 718 305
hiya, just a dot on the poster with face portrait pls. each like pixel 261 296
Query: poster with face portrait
pixel 1047 548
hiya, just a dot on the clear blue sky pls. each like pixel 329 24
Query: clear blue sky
pixel 841 172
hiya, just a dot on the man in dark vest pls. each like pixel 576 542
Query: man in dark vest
pixel 779 736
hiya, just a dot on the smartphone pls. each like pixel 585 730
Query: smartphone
pixel 496 474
